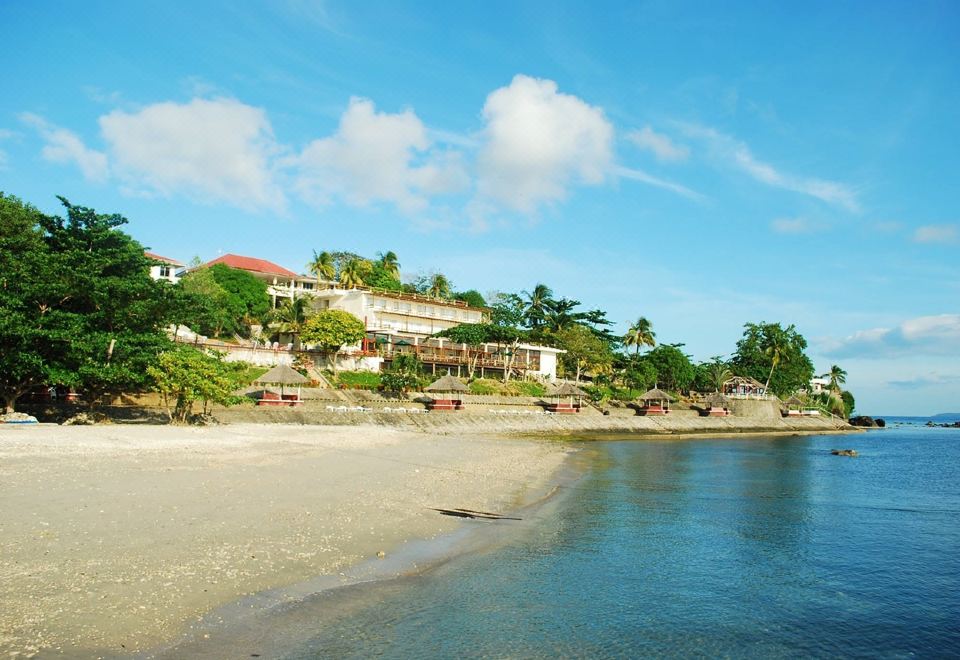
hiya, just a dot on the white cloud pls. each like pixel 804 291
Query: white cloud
pixel 936 234
pixel 661 145
pixel 64 146
pixel 538 142
pixel 378 157
pixel 931 379
pixel 639 175
pixel 738 154
pixel 791 226
pixel 925 335
pixel 211 149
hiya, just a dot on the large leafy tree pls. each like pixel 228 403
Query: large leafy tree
pixel 711 375
pixel 332 329
pixel 472 297
pixel 584 350
pixel 769 352
pixel 290 317
pixel 187 375
pixel 247 301
pixel 202 304
pixel 674 370
pixel 355 272
pixel 78 305
pixel 34 335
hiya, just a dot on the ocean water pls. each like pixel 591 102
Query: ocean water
pixel 760 547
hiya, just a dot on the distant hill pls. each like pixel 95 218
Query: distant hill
pixel 946 416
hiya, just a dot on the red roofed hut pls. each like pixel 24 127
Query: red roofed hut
pixel 655 402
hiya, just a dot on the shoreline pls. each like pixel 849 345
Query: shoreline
pixel 267 623
pixel 117 538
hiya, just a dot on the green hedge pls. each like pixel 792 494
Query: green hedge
pixel 359 380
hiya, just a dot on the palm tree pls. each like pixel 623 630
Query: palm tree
pixel 558 314
pixel 353 272
pixel 439 286
pixel 774 351
pixel 322 266
pixel 290 316
pixel 837 378
pixel 389 263
pixel 538 303
pixel 640 334
pixel 718 373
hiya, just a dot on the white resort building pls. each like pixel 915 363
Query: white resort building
pixel 398 323
pixel 165 268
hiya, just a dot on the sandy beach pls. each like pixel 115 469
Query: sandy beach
pixel 114 538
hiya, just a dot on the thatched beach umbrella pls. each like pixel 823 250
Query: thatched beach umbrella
pixel 283 375
pixel 794 402
pixel 446 384
pixel 656 395
pixel 568 390
pixel 716 400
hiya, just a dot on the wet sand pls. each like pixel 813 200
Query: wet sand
pixel 113 539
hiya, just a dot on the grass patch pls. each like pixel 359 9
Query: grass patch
pixel 492 387
pixel 359 380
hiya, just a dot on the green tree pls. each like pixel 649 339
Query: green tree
pixel 638 373
pixel 34 332
pixel 354 273
pixel 201 303
pixel 439 286
pixel 640 334
pixel 474 335
pixel 247 301
pixel 837 377
pixel 710 376
pixel 290 317
pixel 405 373
pixel 674 370
pixel 388 262
pixel 772 352
pixel 472 297
pixel 538 303
pixel 584 350
pixel 849 403
pixel 187 375
pixel 332 329
pixel 322 266
pixel 507 310
pixel 380 278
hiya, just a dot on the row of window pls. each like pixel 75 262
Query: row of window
pixel 423 310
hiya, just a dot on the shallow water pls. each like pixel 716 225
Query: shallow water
pixel 746 548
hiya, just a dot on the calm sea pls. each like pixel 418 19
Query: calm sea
pixel 744 548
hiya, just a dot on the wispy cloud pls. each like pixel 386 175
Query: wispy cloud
pixel 643 177
pixel 924 335
pixel 661 145
pixel 64 146
pixel 791 226
pixel 936 234
pixel 931 379
pixel 735 153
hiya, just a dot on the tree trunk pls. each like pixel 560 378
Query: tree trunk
pixel 336 354
pixel 10 403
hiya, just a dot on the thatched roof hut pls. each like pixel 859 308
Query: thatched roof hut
pixel 716 400
pixel 283 375
pixel 655 394
pixel 566 389
pixel 794 402
pixel 446 383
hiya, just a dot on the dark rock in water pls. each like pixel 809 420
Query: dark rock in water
pixel 954 425
pixel 880 422
pixel 863 420
pixel 844 452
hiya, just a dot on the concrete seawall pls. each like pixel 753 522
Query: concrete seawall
pixel 490 421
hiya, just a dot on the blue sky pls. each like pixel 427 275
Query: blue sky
pixel 701 164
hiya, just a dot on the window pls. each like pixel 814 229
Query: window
pixel 308 285
pixel 164 271
pixel 421 309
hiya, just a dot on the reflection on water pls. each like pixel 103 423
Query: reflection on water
pixel 752 547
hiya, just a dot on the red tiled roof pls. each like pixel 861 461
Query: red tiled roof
pixel 166 260
pixel 252 264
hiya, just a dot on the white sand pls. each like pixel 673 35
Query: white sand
pixel 112 538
